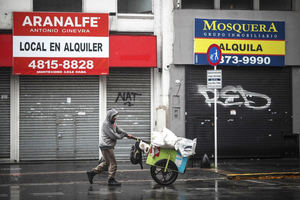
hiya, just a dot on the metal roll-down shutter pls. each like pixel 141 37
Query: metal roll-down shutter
pixel 59 117
pixel 254 111
pixel 129 92
pixel 4 112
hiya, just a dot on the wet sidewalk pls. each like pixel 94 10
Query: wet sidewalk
pixel 275 168
pixel 76 170
pixel 68 180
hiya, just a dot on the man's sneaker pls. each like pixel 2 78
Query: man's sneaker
pixel 113 182
pixel 91 175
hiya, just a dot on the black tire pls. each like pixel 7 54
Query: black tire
pixel 161 177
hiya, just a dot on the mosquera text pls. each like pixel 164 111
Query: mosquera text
pixel 239 28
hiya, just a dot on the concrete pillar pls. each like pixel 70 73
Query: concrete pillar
pixel 163 29
pixel 217 4
pixel 255 4
pixel 14 119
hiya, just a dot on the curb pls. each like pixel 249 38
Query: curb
pixel 263 176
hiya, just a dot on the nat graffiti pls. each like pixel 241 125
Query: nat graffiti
pixel 127 97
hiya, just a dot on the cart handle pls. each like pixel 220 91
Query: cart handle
pixel 137 139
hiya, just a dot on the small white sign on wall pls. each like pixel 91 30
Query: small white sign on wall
pixel 214 79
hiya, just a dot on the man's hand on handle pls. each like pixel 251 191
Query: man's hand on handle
pixel 129 136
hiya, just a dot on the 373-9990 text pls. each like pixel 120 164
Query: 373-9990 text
pixel 259 60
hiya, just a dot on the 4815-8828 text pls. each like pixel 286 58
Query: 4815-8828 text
pixel 65 64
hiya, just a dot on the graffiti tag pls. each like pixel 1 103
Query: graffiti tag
pixel 236 96
pixel 127 97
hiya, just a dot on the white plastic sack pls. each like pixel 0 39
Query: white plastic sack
pixel 164 139
pixel 157 138
pixel 170 138
pixel 145 147
pixel 186 146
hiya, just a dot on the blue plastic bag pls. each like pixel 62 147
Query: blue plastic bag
pixel 181 162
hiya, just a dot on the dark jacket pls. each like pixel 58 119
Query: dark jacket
pixel 110 131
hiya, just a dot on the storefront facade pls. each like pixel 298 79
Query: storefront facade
pixel 257 104
pixel 59 116
pixel 156 81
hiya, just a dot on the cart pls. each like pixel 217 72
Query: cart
pixel 165 164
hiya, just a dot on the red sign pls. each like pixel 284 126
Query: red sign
pixel 5 50
pixel 60 43
pixel 132 51
pixel 124 50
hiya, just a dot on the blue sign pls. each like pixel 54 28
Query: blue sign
pixel 214 55
pixel 243 42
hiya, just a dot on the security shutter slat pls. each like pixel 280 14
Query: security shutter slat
pixel 59 117
pixel 129 92
pixel 244 130
pixel 4 112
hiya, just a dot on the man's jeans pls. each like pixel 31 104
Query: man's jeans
pixel 110 163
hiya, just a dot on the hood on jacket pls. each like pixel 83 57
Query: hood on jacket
pixel 110 114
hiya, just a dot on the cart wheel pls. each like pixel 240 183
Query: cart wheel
pixel 160 176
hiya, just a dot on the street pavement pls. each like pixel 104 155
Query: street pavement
pixel 261 168
pixel 68 180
